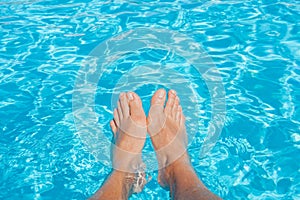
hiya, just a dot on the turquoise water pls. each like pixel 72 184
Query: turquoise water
pixel 254 45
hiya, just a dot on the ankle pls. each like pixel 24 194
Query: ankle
pixel 182 162
pixel 172 171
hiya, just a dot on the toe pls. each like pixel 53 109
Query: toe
pixel 119 111
pixel 116 117
pixel 159 97
pixel 170 102
pixel 124 105
pixel 113 127
pixel 178 113
pixel 135 107
pixel 175 107
pixel 156 118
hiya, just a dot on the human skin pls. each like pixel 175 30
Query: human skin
pixel 170 141
pixel 166 127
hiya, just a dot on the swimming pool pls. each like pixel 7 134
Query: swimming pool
pixel 45 45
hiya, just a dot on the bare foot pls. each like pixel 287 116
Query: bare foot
pixel 168 135
pixel 129 128
pixel 167 130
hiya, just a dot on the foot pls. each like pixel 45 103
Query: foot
pixel 167 130
pixel 129 128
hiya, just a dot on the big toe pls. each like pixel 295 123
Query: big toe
pixel 159 98
pixel 156 118
pixel 136 109
pixel 157 105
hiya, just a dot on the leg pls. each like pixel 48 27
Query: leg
pixel 129 128
pixel 183 182
pixel 166 126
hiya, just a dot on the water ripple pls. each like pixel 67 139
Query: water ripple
pixel 254 44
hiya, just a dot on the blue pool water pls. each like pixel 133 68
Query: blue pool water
pixel 46 46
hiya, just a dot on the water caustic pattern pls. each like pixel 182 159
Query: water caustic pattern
pixel 255 45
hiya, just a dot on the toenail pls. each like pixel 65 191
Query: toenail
pixel 122 94
pixel 173 92
pixel 130 96
pixel 161 94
